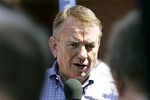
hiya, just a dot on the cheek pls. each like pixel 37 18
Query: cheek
pixel 94 53
pixel 64 60
pixel 64 54
pixel 93 56
pixel 61 53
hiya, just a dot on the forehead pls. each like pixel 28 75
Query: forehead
pixel 74 29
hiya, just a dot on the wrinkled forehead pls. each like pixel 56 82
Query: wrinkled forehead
pixel 73 26
pixel 78 32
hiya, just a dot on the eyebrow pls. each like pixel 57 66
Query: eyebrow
pixel 87 43
pixel 75 40
pixel 91 43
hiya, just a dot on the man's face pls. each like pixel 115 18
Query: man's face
pixel 76 49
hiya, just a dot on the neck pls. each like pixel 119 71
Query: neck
pixel 63 78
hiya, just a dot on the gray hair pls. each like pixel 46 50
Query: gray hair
pixel 80 13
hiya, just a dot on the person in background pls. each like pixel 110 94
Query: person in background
pixel 75 44
pixel 128 58
pixel 13 4
pixel 24 55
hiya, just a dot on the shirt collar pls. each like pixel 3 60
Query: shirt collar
pixel 53 71
pixel 93 74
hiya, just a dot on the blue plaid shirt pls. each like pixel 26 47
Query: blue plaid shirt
pixel 99 86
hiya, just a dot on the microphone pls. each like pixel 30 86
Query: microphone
pixel 73 89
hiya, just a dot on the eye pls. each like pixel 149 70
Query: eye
pixel 89 46
pixel 74 45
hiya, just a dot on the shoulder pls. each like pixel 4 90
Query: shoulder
pixel 103 86
pixel 102 69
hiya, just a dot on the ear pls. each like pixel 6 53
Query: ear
pixel 53 46
pixel 99 42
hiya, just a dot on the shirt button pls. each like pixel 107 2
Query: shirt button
pixel 56 78
pixel 56 86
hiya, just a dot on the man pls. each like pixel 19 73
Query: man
pixel 75 44
pixel 128 58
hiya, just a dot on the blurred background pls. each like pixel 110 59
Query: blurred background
pixel 43 12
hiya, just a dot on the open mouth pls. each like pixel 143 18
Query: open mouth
pixel 81 67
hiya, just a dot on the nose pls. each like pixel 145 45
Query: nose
pixel 82 54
